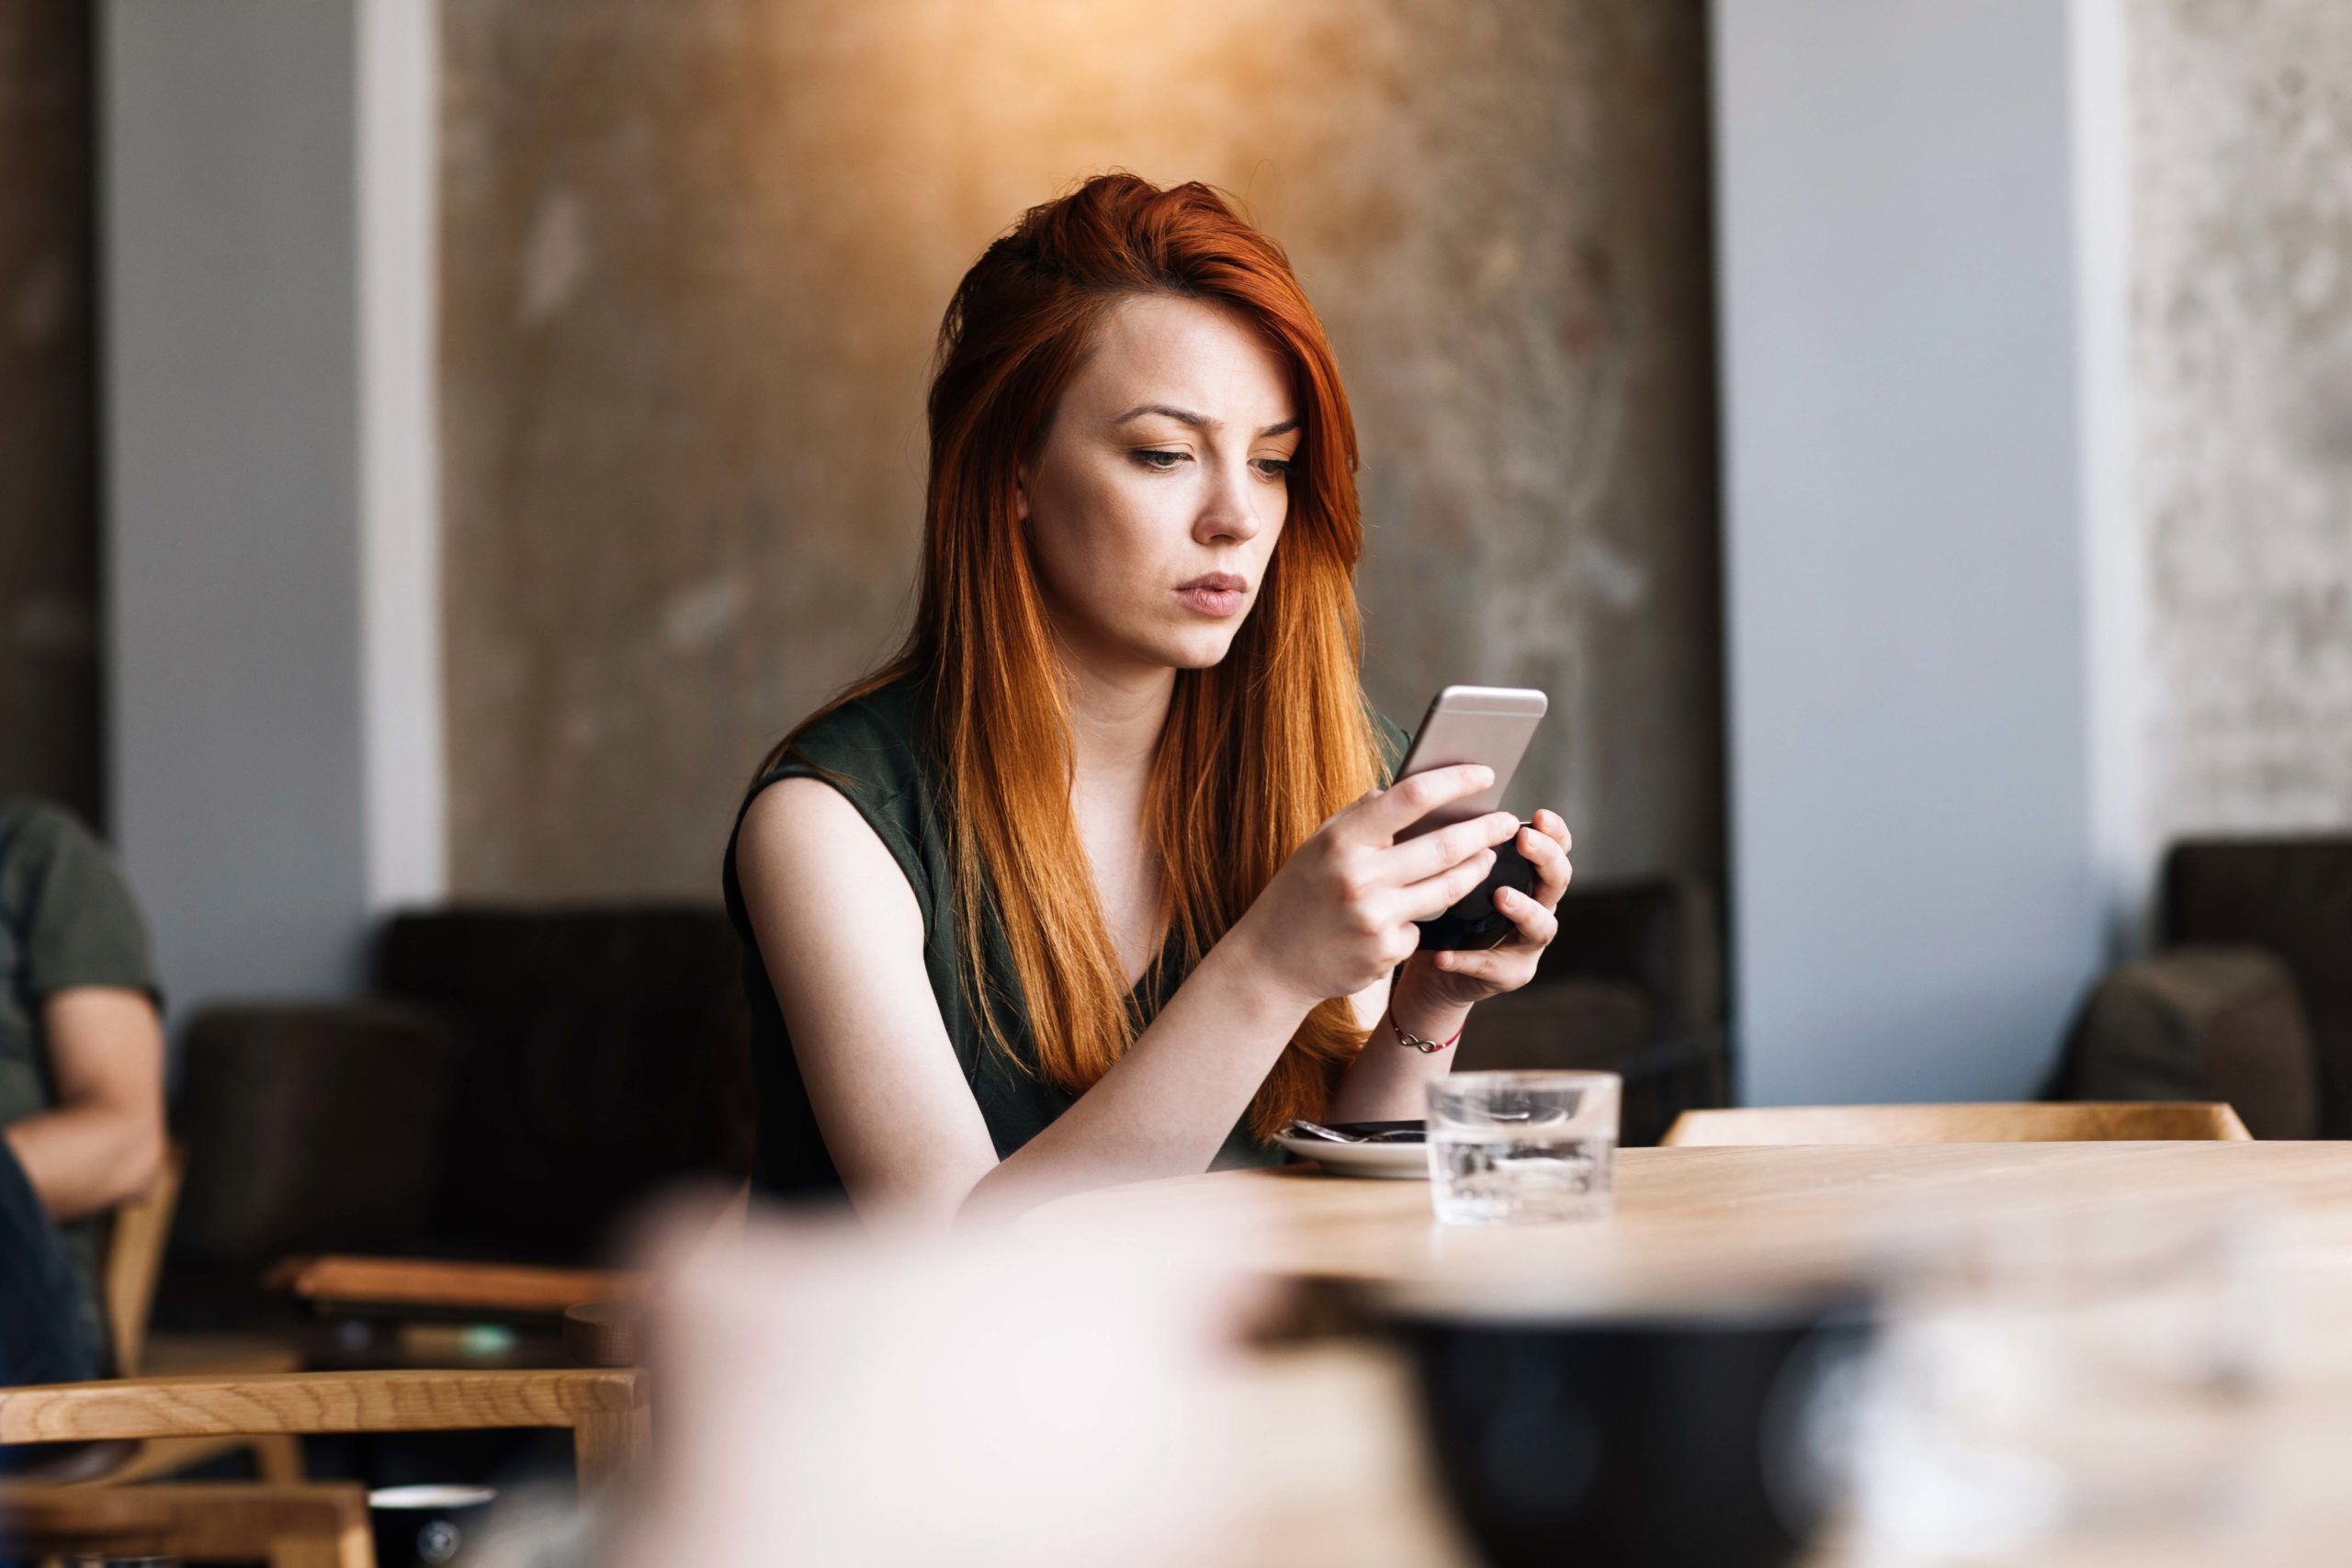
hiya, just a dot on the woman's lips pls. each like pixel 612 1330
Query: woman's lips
pixel 1214 596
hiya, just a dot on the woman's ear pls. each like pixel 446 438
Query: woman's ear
pixel 1021 493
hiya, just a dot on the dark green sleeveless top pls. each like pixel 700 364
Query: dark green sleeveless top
pixel 876 752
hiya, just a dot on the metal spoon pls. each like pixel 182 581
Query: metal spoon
pixel 1382 1132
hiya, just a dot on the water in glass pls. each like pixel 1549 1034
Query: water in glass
pixel 1516 1148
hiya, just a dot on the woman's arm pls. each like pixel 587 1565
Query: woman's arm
pixel 1389 1082
pixel 842 937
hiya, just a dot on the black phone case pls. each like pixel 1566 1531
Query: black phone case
pixel 1475 923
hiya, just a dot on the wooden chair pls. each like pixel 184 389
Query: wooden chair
pixel 2021 1123
pixel 312 1525
pixel 128 1273
pixel 341 1282
pixel 519 1290
pixel 605 1409
pixel 134 1262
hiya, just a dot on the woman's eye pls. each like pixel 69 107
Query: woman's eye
pixel 1275 467
pixel 1151 458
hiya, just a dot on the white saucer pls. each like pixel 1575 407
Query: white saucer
pixel 1393 1162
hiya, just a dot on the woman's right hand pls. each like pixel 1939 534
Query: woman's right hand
pixel 1338 915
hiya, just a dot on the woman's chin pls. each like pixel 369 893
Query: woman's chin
pixel 1193 646
pixel 1199 651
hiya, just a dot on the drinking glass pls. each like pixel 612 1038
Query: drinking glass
pixel 1522 1148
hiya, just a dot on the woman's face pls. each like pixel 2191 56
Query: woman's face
pixel 1162 485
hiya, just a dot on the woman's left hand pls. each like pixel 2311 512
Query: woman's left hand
pixel 1447 980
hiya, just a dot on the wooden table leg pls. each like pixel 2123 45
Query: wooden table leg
pixel 610 1448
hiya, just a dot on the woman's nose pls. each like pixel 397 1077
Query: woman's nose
pixel 1230 512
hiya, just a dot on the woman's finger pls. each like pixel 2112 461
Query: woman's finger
pixel 1498 968
pixel 1554 827
pixel 1348 807
pixel 1537 925
pixel 1433 852
pixel 1408 800
pixel 1432 895
pixel 1551 863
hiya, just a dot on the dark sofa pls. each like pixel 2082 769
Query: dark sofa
pixel 516 1082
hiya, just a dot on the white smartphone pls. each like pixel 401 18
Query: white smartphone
pixel 1473 723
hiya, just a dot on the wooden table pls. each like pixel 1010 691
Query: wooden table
pixel 1698 1225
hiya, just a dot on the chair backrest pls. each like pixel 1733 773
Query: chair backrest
pixel 134 1261
pixel 2021 1123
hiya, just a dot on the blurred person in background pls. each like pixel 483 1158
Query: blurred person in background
pixel 1096 881
pixel 80 1084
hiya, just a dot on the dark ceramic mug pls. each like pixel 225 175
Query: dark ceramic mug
pixel 1700 1439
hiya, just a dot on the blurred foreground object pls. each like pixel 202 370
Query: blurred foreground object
pixel 1701 1226
pixel 2095 1376
pixel 829 1398
pixel 2018 1124
pixel 1662 1437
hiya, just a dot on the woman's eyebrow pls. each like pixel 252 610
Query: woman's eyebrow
pixel 1198 421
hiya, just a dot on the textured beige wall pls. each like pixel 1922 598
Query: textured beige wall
pixel 695 252
pixel 50 717
pixel 2242 193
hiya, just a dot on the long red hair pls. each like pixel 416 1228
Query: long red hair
pixel 1258 750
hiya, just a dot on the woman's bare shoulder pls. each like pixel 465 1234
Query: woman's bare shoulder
pixel 802 837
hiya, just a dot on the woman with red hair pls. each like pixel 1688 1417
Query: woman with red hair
pixel 1096 881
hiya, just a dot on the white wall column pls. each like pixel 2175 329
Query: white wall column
pixel 276 712
pixel 1918 448
pixel 404 751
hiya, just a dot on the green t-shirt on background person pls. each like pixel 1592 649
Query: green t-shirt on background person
pixel 67 919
